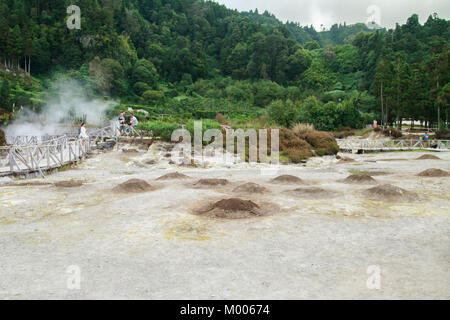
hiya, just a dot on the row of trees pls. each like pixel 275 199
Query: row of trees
pixel 151 51
pixel 412 78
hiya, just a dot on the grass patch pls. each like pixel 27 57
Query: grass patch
pixel 66 167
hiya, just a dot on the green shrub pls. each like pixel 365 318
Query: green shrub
pixel 206 125
pixel 443 134
pixel 323 143
pixel 141 87
pixel 298 155
pixel 153 96
pixel 2 138
pixel 295 148
pixel 160 129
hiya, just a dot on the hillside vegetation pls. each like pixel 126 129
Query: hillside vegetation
pixel 194 59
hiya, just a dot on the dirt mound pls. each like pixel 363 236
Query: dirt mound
pixel 346 160
pixel 311 193
pixel 390 193
pixel 233 208
pixel 173 176
pixel 287 179
pixel 69 184
pixel 151 162
pixel 434 173
pixel 130 151
pixel 360 179
pixel 134 186
pixel 27 184
pixel 211 182
pixel 2 138
pixel 250 188
pixel 428 157
pixel 235 204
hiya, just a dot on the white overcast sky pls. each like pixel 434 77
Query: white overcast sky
pixel 328 12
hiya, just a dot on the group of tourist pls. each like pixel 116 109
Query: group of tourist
pixel 426 138
pixel 127 127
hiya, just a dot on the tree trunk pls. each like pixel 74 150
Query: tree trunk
pixel 439 106
pixel 382 109
pixel 398 96
pixel 387 113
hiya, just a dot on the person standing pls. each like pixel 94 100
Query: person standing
pixel 82 134
pixel 122 122
pixel 425 140
pixel 133 122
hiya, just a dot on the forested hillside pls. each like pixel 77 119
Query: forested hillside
pixel 193 58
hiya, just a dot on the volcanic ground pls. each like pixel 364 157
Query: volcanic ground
pixel 138 226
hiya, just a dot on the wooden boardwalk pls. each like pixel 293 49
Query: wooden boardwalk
pixel 366 145
pixel 31 155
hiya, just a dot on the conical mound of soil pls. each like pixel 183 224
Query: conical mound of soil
pixel 390 193
pixel 287 179
pixel 130 151
pixel 235 204
pixel 436 173
pixel 311 193
pixel 233 208
pixel 428 157
pixel 2 138
pixel 134 186
pixel 151 162
pixel 69 184
pixel 211 182
pixel 360 179
pixel 250 188
pixel 346 160
pixel 173 176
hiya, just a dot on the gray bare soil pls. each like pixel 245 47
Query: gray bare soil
pixel 150 245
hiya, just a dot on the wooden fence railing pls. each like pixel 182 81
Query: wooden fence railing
pixel 43 156
pixel 365 144
pixel 37 154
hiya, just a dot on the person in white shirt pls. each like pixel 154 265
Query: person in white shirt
pixel 82 134
pixel 133 124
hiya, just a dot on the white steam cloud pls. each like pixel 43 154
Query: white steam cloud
pixel 66 100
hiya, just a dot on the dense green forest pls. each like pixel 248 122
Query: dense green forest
pixel 195 59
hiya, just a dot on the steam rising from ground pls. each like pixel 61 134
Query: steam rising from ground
pixel 66 100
